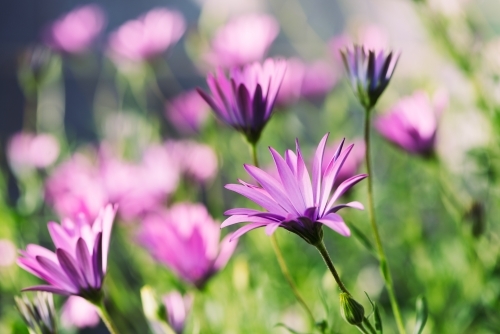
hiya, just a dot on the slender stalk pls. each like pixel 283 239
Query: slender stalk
pixel 281 259
pixel 101 309
pixel 369 326
pixel 320 246
pixel 364 327
pixel 384 266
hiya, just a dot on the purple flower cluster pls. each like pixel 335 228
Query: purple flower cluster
pixel 82 186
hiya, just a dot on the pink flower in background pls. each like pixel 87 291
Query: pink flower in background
pixel 79 264
pixel 187 112
pixel 304 80
pixel 246 99
pixel 319 79
pixel 351 166
pixel 79 313
pixel 9 253
pixel 186 239
pixel 148 36
pixel 243 40
pixel 27 151
pixel 178 308
pixel 291 86
pixel 75 187
pixel 76 31
pixel 138 186
pixel 196 161
pixel 412 122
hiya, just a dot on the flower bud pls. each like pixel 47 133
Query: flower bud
pixel 352 311
pixel 39 314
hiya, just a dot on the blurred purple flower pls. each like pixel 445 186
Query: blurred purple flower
pixel 196 161
pixel 351 165
pixel 26 151
pixel 187 112
pixel 303 80
pixel 79 264
pixel 369 72
pixel 293 202
pixel 139 187
pixel 75 188
pixel 76 31
pixel 246 99
pixel 178 308
pixel 243 40
pixel 186 239
pixel 319 79
pixel 79 313
pixel 148 36
pixel 291 86
pixel 412 122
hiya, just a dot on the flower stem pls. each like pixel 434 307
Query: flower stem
pixel 280 258
pixel 320 246
pixel 101 309
pixel 366 326
pixel 384 266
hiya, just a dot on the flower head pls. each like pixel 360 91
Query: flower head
pixel 370 72
pixel 197 162
pixel 76 31
pixel 246 99
pixel 148 36
pixel 79 264
pixel 243 40
pixel 77 312
pixel 412 122
pixel 292 201
pixel 187 112
pixel 38 314
pixel 27 151
pixel 186 239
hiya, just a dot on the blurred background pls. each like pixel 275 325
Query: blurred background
pixel 94 109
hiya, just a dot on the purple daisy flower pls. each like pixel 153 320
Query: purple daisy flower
pixel 246 99
pixel 292 201
pixel 79 264
pixel 370 72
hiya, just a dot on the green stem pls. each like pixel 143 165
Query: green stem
pixel 253 148
pixel 281 259
pixel 369 326
pixel 320 246
pixel 384 266
pixel 101 309
pixel 366 330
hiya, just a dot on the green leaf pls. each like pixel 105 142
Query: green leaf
pixel 376 315
pixel 362 238
pixel 422 312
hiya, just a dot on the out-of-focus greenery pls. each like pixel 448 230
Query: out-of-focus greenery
pixel 436 246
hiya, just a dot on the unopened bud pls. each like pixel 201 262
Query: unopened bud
pixel 352 311
pixel 38 314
